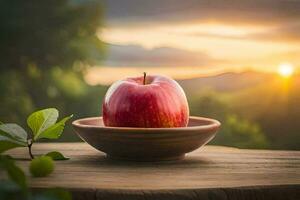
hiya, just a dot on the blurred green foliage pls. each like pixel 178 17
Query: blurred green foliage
pixel 238 132
pixel 61 88
pixel 263 116
pixel 235 131
pixel 275 106
pixel 48 33
pixel 15 185
pixel 45 48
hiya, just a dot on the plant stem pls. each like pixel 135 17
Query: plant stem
pixel 30 142
pixel 144 81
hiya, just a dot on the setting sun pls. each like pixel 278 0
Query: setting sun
pixel 286 70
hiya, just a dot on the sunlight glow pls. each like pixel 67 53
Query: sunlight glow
pixel 286 70
pixel 214 29
pixel 221 42
pixel 106 75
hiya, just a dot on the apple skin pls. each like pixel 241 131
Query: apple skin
pixel 160 103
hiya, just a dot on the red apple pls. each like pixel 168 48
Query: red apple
pixel 146 101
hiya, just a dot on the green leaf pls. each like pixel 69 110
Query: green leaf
pixel 55 131
pixel 17 175
pixel 42 120
pixel 6 144
pixel 13 171
pixel 12 136
pixel 14 132
pixel 55 155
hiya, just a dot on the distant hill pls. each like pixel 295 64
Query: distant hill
pixel 227 82
pixel 270 101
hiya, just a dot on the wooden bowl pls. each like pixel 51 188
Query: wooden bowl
pixel 146 144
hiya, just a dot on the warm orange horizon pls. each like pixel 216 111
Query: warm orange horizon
pixel 108 75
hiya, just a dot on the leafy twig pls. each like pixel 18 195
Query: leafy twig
pixel 42 124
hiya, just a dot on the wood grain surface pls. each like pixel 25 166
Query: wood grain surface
pixel 212 172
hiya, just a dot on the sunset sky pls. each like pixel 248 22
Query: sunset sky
pixel 191 38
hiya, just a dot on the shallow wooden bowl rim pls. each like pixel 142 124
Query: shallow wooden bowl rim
pixel 209 124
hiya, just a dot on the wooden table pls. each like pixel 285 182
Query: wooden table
pixel 212 172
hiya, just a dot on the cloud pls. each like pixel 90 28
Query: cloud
pixel 137 56
pixel 280 18
pixel 137 12
pixel 285 33
pixel 202 33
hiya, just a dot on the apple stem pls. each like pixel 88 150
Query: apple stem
pixel 144 81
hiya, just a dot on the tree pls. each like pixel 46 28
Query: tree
pixel 238 132
pixel 45 48
pixel 209 103
pixel 48 33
